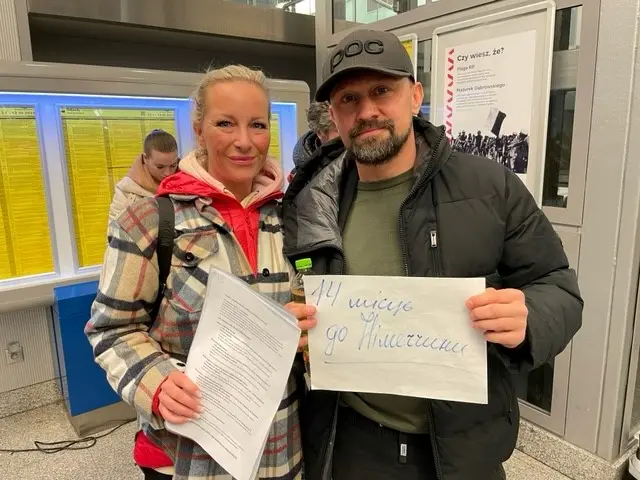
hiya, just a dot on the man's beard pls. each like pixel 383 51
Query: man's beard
pixel 373 150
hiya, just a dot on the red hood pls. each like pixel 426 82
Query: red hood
pixel 182 183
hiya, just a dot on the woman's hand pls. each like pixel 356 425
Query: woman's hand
pixel 306 321
pixel 179 399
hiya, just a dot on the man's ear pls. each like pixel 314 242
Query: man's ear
pixel 417 96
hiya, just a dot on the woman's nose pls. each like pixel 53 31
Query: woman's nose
pixel 243 140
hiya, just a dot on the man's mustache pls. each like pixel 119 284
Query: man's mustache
pixel 364 125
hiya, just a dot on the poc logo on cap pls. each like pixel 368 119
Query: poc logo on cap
pixel 355 48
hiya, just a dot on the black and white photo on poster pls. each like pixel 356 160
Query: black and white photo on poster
pixel 508 149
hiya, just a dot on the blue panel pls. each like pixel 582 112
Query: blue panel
pixel 288 132
pixel 426 110
pixel 86 382
pixel 85 385
pixel 59 366
pixel 74 299
pixel 67 292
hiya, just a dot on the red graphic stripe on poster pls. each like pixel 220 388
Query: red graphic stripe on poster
pixel 449 101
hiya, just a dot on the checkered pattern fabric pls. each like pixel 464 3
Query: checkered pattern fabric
pixel 137 358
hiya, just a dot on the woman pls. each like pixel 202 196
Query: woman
pixel 158 160
pixel 226 216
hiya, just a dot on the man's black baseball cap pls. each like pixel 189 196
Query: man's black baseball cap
pixel 370 50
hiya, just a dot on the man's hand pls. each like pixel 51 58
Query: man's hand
pixel 306 321
pixel 179 399
pixel 501 315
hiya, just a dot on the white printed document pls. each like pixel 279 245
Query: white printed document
pixel 240 359
pixel 406 336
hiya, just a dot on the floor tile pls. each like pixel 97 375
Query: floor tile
pixel 523 467
pixel 46 424
pixel 78 465
pixel 113 455
pixel 28 398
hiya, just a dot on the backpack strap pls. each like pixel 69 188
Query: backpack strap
pixel 164 248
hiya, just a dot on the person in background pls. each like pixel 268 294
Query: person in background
pixel 226 216
pixel 400 202
pixel 158 160
pixel 321 130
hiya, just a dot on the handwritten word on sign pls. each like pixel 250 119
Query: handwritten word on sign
pixel 397 335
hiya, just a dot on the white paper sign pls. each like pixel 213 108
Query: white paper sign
pixel 240 358
pixel 397 335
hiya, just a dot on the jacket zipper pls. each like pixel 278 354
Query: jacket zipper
pixel 433 234
pixel 434 447
pixel 434 244
pixel 507 387
pixel 421 181
pixel 326 473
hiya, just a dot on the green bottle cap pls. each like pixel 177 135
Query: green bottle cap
pixel 303 264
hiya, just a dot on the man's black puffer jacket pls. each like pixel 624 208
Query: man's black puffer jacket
pixel 487 225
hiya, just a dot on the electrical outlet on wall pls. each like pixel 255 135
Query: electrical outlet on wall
pixel 14 353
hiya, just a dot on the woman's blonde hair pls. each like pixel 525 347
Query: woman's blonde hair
pixel 229 73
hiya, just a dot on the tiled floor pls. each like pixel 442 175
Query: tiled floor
pixel 524 467
pixel 110 458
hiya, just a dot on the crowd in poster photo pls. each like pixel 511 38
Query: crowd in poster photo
pixel 510 150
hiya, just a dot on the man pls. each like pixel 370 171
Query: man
pixel 321 130
pixel 401 202
pixel 319 120
pixel 158 160
pixel 520 148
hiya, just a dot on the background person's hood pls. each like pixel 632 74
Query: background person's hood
pixel 141 176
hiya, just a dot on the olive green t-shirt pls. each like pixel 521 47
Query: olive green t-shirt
pixel 371 246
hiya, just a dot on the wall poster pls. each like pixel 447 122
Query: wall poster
pixel 491 80
pixel 488 99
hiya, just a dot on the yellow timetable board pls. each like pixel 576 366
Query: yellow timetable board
pixel 274 132
pixel 25 236
pixel 100 146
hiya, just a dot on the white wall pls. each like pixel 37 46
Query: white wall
pixel 31 328
pixel 9 43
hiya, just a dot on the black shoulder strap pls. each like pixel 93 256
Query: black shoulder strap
pixel 164 249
